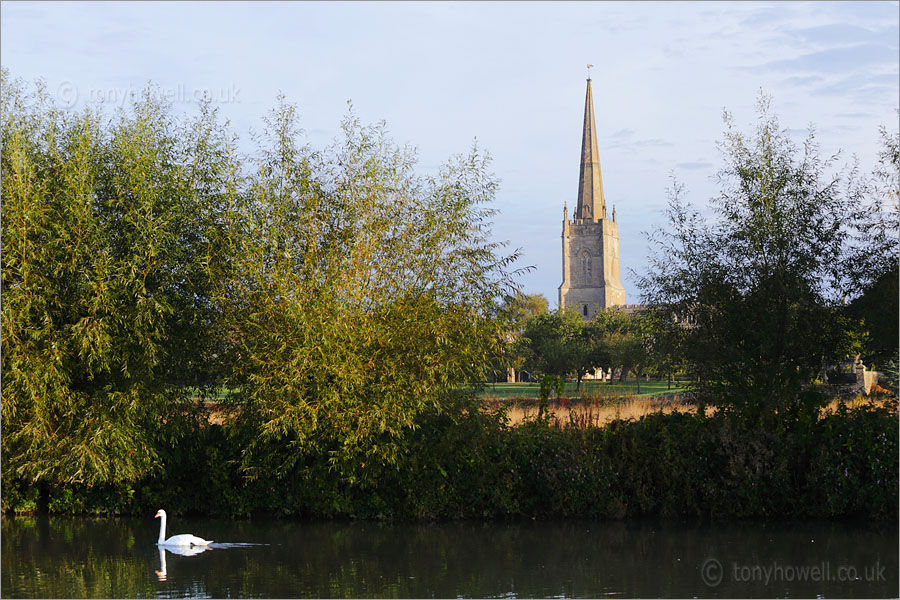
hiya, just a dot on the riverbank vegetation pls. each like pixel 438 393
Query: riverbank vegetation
pixel 471 463
pixel 352 307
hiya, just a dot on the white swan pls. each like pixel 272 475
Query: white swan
pixel 184 539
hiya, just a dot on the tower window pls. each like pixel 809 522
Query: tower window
pixel 584 309
pixel 586 266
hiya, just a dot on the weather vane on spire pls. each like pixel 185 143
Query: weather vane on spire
pixel 589 71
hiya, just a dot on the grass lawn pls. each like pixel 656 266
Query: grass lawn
pixel 589 388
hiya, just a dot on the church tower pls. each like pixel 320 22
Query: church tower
pixel 590 241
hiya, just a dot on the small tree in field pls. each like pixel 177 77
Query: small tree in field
pixel 665 336
pixel 560 344
pixel 514 313
pixel 550 343
pixel 517 309
pixel 611 329
pixel 761 280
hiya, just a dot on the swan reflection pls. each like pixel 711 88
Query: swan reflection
pixel 161 574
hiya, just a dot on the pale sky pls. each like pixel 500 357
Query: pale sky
pixel 510 74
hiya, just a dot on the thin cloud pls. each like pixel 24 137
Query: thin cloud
pixel 694 165
pixel 865 88
pixel 637 145
pixel 802 80
pixel 854 115
pixel 831 60
pixel 843 34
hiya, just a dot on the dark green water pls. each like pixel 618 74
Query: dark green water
pixel 79 557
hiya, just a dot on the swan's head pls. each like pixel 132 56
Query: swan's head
pixel 160 513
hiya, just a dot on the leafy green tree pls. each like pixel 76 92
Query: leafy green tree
pixel 631 342
pixel 107 231
pixel 635 346
pixel 559 344
pixel 548 342
pixel 666 336
pixel 647 340
pixel 589 351
pixel 872 280
pixel 609 329
pixel 360 296
pixel 760 281
pixel 515 311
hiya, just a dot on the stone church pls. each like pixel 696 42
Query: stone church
pixel 590 240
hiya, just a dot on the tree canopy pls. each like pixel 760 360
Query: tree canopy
pixel 763 280
pixel 335 293
pixel 360 294
pixel 872 281
pixel 106 293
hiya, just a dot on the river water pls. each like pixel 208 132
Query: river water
pixel 110 558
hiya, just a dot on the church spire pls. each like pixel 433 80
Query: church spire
pixel 591 205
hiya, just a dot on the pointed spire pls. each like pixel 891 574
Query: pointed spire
pixel 591 205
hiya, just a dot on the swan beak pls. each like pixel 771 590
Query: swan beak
pixel 157 515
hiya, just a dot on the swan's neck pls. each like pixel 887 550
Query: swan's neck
pixel 162 530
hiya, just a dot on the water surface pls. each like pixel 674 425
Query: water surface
pixel 80 557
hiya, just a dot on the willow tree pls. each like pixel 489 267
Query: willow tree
pixel 872 278
pixel 361 295
pixel 761 279
pixel 106 232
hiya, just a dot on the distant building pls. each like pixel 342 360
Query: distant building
pixel 590 241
